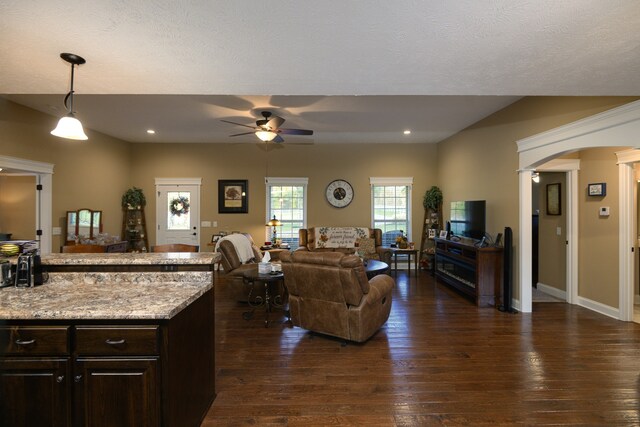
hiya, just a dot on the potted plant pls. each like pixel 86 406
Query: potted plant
pixel 433 199
pixel 133 198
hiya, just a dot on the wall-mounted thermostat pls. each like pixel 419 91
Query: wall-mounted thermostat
pixel 604 211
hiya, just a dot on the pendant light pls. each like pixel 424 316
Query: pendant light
pixel 69 127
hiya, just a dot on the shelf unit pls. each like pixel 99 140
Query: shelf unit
pixel 134 230
pixel 474 272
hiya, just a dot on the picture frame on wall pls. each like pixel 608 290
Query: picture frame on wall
pixel 233 196
pixel 553 199
pixel 598 189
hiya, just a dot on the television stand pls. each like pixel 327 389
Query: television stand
pixel 474 272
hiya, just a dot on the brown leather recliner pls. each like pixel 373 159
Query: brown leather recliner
pixel 234 269
pixel 329 293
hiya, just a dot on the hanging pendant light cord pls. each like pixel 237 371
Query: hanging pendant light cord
pixel 70 94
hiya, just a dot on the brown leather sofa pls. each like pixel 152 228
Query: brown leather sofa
pixel 307 242
pixel 329 293
pixel 234 269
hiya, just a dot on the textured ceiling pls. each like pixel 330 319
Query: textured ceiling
pixel 316 48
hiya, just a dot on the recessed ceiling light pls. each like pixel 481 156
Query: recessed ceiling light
pixel 407 132
pixel 151 131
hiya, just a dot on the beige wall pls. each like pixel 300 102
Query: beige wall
pixel 87 174
pixel 18 202
pixel 598 246
pixel 320 163
pixel 552 247
pixel 481 162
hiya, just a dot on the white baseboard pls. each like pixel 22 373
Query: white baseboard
pixel 599 307
pixel 554 292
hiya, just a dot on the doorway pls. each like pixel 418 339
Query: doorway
pixel 178 211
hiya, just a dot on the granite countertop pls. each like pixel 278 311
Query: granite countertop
pixel 132 258
pixel 61 301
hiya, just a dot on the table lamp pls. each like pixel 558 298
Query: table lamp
pixel 274 223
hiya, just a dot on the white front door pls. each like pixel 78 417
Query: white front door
pixel 177 214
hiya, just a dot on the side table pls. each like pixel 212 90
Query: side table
pixel 409 253
pixel 274 293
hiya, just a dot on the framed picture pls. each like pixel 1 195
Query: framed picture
pixel 597 189
pixel 233 196
pixel 432 233
pixel 443 234
pixel 553 199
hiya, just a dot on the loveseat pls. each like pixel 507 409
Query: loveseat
pixel 368 243
pixel 329 293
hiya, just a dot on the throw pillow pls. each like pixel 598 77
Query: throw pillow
pixel 367 248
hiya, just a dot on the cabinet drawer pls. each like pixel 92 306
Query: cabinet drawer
pixel 34 340
pixel 117 340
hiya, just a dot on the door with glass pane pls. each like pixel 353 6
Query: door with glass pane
pixel 178 214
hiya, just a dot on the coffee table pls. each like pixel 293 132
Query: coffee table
pixel 373 267
pixel 408 252
pixel 274 293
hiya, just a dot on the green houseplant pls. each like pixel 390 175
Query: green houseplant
pixel 133 198
pixel 433 199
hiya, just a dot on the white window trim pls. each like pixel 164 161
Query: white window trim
pixel 395 181
pixel 302 181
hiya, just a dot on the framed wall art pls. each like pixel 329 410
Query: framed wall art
pixel 553 199
pixel 598 189
pixel 233 196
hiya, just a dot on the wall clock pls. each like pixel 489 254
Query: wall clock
pixel 339 193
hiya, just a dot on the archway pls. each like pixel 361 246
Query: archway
pixel 613 128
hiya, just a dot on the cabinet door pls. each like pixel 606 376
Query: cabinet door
pixel 117 392
pixel 34 392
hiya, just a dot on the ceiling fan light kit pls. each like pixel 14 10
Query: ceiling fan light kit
pixel 69 126
pixel 268 128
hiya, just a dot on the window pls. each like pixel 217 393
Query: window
pixel 391 207
pixel 287 200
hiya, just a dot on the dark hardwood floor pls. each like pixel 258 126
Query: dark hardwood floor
pixel 439 360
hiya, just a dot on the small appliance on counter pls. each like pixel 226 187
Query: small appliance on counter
pixel 28 270
pixel 6 276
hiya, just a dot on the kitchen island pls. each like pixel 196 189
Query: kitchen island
pixel 110 339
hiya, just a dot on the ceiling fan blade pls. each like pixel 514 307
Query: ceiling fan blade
pixel 296 131
pixel 239 124
pixel 275 122
pixel 278 139
pixel 243 133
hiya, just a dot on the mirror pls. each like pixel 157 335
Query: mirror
pixel 84 224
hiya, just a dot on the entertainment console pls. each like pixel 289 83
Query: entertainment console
pixel 475 272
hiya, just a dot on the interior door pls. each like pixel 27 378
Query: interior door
pixel 178 214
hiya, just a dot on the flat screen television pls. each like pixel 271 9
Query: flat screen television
pixel 468 218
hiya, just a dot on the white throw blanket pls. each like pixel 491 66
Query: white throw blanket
pixel 339 237
pixel 242 245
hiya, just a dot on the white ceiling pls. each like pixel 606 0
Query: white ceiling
pixel 350 70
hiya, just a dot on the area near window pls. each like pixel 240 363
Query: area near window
pixel 391 206
pixel 287 200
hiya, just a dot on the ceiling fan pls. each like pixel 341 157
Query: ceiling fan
pixel 268 129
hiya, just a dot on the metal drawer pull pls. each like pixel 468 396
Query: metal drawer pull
pixel 60 378
pixel 77 378
pixel 115 342
pixel 25 342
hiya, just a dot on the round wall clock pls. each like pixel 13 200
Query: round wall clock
pixel 339 193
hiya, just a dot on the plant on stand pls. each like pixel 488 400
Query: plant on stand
pixel 133 198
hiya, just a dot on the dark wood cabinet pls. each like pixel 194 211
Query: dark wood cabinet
pixel 109 373
pixel 35 391
pixel 117 392
pixel 474 272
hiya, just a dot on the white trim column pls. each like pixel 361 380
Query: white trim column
pixel 626 232
pixel 525 245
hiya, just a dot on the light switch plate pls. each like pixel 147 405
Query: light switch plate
pixel 205 224
pixel 56 231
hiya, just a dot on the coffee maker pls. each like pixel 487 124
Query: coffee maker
pixel 28 270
